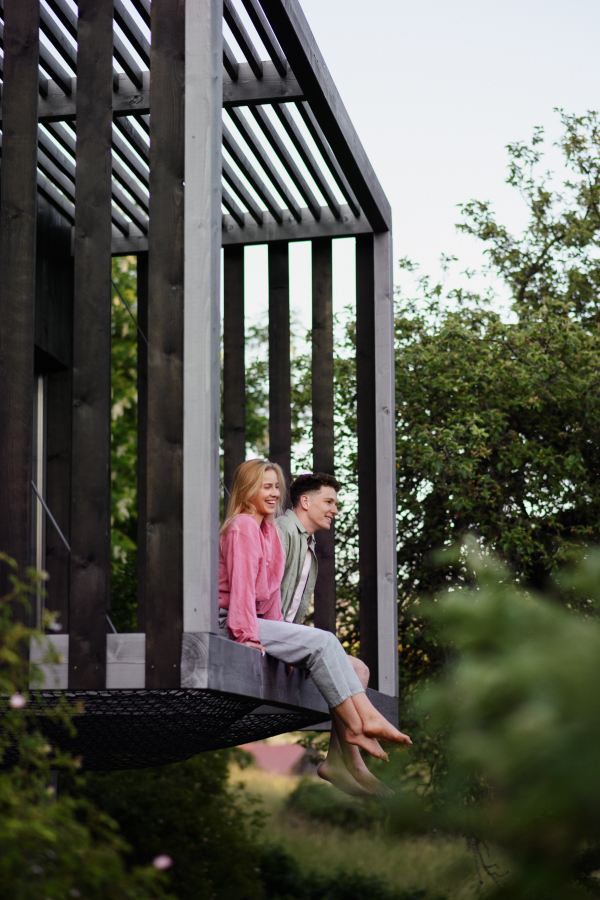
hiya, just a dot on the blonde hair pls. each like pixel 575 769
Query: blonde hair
pixel 247 482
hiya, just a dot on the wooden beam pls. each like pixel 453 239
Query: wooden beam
pixel 291 230
pixel 265 32
pixel 90 497
pixel 234 372
pixel 367 447
pixel 164 473
pixel 242 37
pixel 142 435
pixel 202 375
pixel 232 147
pixel 244 230
pixel 247 90
pixel 385 463
pixel 280 417
pixel 297 42
pixel 18 204
pixel 322 419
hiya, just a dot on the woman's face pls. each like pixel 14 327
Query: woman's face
pixel 266 499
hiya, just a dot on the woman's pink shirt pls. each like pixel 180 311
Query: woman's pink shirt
pixel 251 565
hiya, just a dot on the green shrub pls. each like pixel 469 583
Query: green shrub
pixel 326 804
pixel 284 880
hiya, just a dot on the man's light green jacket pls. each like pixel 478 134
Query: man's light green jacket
pixel 295 539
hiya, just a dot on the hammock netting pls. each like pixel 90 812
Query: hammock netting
pixel 134 729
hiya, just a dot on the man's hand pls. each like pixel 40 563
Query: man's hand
pixel 255 645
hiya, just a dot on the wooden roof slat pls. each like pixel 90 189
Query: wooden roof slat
pixel 54 196
pixel 123 148
pixel 132 32
pixel 306 61
pixel 65 163
pixel 65 15
pixel 251 175
pixel 231 16
pixel 54 68
pixel 57 37
pixel 143 8
pixel 230 204
pixel 230 62
pixel 264 161
pixel 320 140
pixel 63 135
pixel 265 32
pixel 126 60
pixel 134 213
pixel 242 192
pixel 285 117
pixel 56 175
pixel 125 178
pixel 284 155
pixel 131 134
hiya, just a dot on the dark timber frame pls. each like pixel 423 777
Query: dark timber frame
pixel 267 154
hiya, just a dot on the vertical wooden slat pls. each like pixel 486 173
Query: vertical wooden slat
pixel 366 437
pixel 385 430
pixel 17 278
pixel 322 419
pixel 234 374
pixel 202 374
pixel 90 478
pixel 164 534
pixel 142 434
pixel 280 419
pixel 58 493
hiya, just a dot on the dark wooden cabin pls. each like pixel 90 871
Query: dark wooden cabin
pixel 133 127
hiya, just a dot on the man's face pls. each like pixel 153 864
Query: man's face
pixel 320 507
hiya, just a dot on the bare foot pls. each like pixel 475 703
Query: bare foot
pixel 378 727
pixel 365 742
pixel 340 777
pixel 357 783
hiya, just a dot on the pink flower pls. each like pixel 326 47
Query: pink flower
pixel 162 862
pixel 17 701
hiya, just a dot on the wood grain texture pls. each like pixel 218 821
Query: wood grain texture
pixel 164 478
pixel 58 493
pixel 90 471
pixel 54 284
pixel 385 435
pixel 292 230
pixel 202 374
pixel 280 418
pixel 366 437
pixel 17 279
pixel 234 372
pixel 322 419
pixel 142 436
pixel 214 663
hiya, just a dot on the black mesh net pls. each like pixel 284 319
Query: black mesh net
pixel 134 729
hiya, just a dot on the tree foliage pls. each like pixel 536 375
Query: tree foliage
pixel 51 847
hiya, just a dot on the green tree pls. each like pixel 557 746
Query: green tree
pixel 51 847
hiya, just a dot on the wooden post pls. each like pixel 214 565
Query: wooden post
pixel 376 460
pixel 142 434
pixel 164 473
pixel 58 492
pixel 322 419
pixel 234 374
pixel 202 372
pixel 385 435
pixel 90 472
pixel 280 418
pixel 17 279
pixel 367 480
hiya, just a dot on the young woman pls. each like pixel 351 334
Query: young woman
pixel 251 567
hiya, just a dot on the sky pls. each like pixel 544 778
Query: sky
pixel 436 89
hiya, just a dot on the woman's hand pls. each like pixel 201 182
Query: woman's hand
pixel 255 645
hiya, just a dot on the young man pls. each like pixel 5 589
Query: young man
pixel 314 507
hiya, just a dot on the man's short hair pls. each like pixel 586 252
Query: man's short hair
pixel 309 484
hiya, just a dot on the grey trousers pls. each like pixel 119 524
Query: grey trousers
pixel 309 648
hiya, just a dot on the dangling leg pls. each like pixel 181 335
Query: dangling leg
pixel 343 766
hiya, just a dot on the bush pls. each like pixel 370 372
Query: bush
pixel 284 880
pixel 326 804
pixel 186 811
